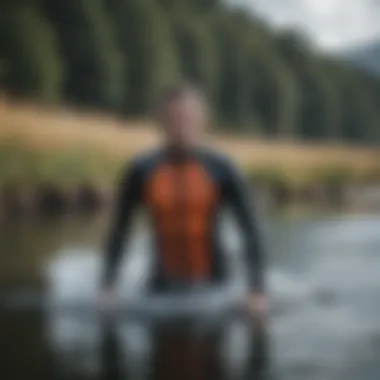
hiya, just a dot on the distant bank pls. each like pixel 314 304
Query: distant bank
pixel 46 154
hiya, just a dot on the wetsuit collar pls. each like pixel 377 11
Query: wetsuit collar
pixel 178 154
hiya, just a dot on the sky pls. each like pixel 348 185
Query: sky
pixel 332 24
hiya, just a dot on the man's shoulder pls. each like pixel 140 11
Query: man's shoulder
pixel 217 159
pixel 145 159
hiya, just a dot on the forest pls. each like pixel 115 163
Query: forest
pixel 115 56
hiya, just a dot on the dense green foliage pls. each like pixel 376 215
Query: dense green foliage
pixel 116 55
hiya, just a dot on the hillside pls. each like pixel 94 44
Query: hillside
pixel 367 57
pixel 115 56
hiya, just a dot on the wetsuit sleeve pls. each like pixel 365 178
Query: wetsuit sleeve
pixel 127 198
pixel 240 199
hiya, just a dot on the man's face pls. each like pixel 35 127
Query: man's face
pixel 183 120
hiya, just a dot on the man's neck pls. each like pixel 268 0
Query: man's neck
pixel 180 153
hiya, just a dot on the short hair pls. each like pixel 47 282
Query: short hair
pixel 181 89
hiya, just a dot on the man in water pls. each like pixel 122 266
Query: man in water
pixel 183 186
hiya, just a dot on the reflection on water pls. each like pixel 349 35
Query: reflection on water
pixel 201 348
pixel 136 350
pixel 323 283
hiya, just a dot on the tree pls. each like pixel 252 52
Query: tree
pixel 193 5
pixel 144 34
pixel 318 111
pixel 257 91
pixel 197 55
pixel 94 63
pixel 30 52
pixel 273 92
pixel 233 88
pixel 360 112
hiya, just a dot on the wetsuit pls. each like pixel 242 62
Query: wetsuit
pixel 183 195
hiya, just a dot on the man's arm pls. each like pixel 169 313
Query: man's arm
pixel 127 197
pixel 239 197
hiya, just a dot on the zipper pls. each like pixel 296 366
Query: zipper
pixel 182 249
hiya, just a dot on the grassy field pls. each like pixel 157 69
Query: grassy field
pixel 37 144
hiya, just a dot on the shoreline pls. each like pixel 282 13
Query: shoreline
pixel 56 161
pixel 48 201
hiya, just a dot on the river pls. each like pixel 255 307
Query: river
pixel 323 284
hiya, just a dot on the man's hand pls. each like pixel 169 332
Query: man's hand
pixel 256 305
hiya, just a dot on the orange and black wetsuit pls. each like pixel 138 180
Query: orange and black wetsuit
pixel 183 195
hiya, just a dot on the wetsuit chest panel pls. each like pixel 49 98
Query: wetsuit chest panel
pixel 182 199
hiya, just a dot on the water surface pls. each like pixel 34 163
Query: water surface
pixel 323 281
